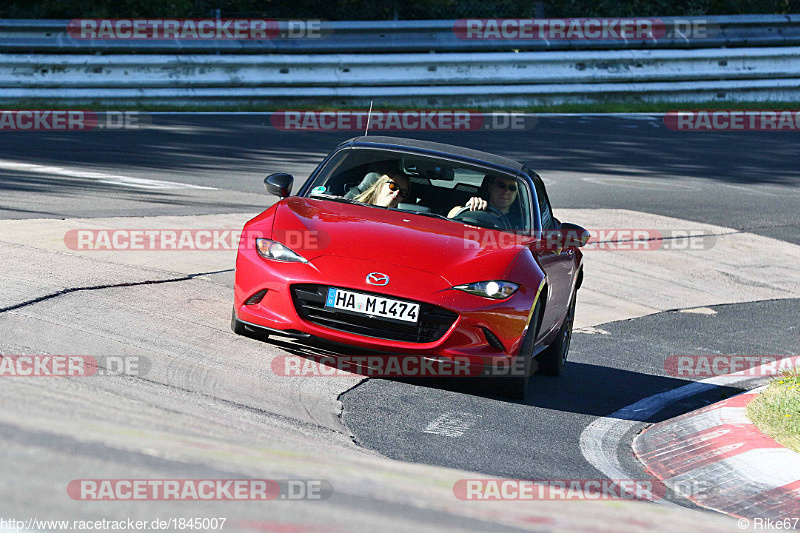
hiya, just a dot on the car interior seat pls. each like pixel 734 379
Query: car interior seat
pixel 368 181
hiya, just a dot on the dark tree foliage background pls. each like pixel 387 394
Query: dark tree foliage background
pixel 387 10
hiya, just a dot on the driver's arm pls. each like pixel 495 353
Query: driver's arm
pixel 476 203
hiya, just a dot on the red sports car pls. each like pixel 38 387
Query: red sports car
pixel 411 247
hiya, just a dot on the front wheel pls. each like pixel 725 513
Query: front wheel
pixel 236 326
pixel 515 386
pixel 552 359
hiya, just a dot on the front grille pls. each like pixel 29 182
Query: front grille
pixel 309 301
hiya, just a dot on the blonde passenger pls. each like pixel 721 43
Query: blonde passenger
pixel 388 191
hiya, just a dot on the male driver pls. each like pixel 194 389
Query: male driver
pixel 502 194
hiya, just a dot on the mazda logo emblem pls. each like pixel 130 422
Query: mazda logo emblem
pixel 376 278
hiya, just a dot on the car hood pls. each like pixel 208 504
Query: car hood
pixel 459 253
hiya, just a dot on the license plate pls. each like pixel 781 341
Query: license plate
pixel 367 305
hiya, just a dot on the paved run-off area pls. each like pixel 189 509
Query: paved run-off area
pixel 210 407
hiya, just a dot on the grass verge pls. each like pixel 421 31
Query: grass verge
pixel 776 411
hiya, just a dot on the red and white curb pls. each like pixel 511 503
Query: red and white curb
pixel 717 458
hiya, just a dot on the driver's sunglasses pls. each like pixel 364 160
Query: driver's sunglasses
pixel 512 187
pixel 395 187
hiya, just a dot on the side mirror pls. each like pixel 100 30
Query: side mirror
pixel 574 235
pixel 279 184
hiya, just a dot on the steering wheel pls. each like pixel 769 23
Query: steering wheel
pixel 491 215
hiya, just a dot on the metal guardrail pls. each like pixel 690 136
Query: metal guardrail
pixel 50 36
pixel 397 70
pixel 478 97
pixel 466 73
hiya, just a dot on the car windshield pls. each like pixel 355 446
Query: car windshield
pixel 429 186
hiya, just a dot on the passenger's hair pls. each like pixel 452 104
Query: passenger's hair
pixel 370 196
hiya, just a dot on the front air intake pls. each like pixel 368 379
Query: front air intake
pixel 256 298
pixel 492 339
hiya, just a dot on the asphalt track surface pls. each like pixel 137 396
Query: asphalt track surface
pixel 216 419
pixel 606 372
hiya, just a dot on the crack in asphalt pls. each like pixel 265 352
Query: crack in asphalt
pixel 109 286
pixel 340 415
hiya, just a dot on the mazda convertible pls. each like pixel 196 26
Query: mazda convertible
pixel 400 246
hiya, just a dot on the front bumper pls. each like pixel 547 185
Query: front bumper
pixel 466 335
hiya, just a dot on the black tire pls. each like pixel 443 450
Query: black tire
pixel 236 326
pixel 515 386
pixel 552 359
pixel 239 328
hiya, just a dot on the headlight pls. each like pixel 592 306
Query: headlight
pixel 490 289
pixel 274 250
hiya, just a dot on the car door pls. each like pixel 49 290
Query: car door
pixel 558 265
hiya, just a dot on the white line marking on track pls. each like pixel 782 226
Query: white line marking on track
pixel 101 177
pixel 634 183
pixel 452 424
pixel 591 330
pixel 699 311
pixel 751 190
